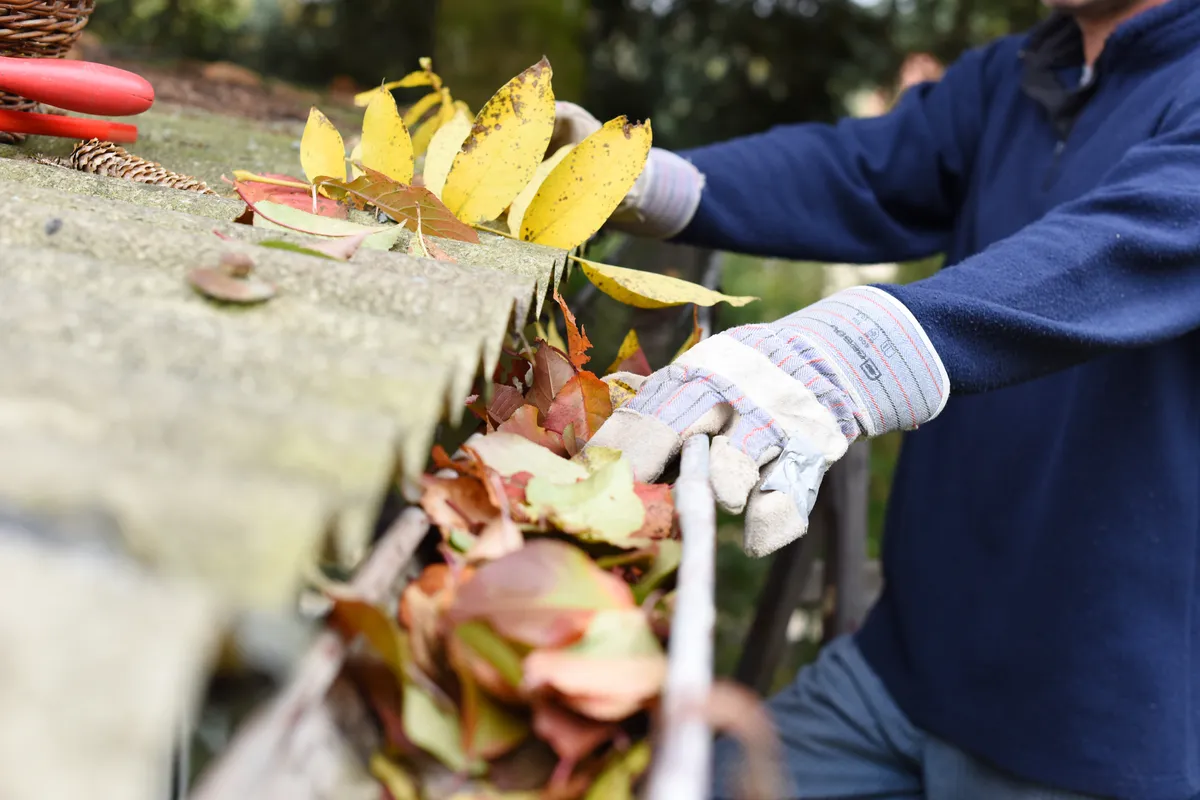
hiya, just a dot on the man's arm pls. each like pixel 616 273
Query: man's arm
pixel 861 191
pixel 1118 268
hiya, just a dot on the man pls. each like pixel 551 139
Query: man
pixel 1038 635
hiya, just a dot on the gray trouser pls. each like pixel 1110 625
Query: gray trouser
pixel 844 737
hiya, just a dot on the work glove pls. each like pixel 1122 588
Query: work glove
pixel 666 194
pixel 782 402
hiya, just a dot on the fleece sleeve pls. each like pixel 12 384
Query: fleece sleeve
pixel 861 191
pixel 1114 269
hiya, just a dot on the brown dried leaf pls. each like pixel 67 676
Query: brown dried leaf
pixel 584 404
pixel 551 372
pixel 505 400
pixel 402 203
pixel 660 510
pixel 577 342
pixel 463 502
pixel 525 423
pixel 232 281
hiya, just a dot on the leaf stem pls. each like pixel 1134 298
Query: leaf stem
pixel 250 177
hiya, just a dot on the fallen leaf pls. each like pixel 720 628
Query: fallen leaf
pixel 602 507
pixel 505 400
pixel 417 111
pixel 489 731
pixel 383 693
pixel 322 152
pixel 660 510
pixel 216 283
pixel 582 403
pixel 403 204
pixel 616 669
pixel 421 606
pixel 548 333
pixel 630 357
pixel 499 537
pixel 279 217
pixel 543 595
pixel 425 131
pixel 571 736
pixel 443 147
pixel 342 249
pixel 617 780
pixel 492 661
pixel 421 77
pixel 351 616
pixel 520 204
pixel 524 422
pixel 668 553
pixel 577 341
pixel 395 780
pixel 693 338
pixel 462 502
pixel 643 289
pixel 583 191
pixel 386 146
pixel 301 198
pixel 510 454
pixel 421 247
pixel 436 729
pixel 504 148
pixel 552 370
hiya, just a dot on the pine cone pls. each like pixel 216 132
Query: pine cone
pixel 106 158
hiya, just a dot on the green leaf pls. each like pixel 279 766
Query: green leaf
pixel 511 453
pixel 616 781
pixel 274 216
pixel 602 507
pixel 668 554
pixel 435 729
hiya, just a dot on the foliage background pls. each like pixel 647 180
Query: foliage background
pixel 703 70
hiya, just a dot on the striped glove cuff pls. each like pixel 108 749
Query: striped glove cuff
pixel 663 200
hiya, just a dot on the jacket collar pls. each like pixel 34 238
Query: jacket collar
pixel 1162 33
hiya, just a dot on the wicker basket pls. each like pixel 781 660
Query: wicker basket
pixel 38 29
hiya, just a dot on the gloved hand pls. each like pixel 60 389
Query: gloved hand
pixel 783 401
pixel 665 196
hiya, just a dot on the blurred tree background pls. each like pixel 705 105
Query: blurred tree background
pixel 703 70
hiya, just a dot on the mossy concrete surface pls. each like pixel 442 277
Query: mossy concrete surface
pixel 229 445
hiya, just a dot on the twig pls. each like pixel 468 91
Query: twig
pixel 683 761
pixel 265 747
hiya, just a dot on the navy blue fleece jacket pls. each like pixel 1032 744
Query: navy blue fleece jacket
pixel 1041 606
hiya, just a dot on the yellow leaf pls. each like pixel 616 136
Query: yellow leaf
pixel 386 146
pixel 322 152
pixel 520 204
pixel 419 109
pixel 391 775
pixel 424 134
pixel 635 287
pixel 629 346
pixel 505 146
pixel 443 147
pixel 586 188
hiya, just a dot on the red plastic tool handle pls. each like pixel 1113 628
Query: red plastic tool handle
pixel 80 86
pixel 66 127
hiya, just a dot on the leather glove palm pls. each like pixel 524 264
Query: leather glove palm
pixel 782 402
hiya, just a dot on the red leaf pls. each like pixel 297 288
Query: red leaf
pixel 660 510
pixel 552 370
pixel 584 405
pixel 402 203
pixel 524 422
pixel 577 341
pixel 543 595
pixel 505 400
pixel 573 737
pixel 631 357
pixel 254 192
